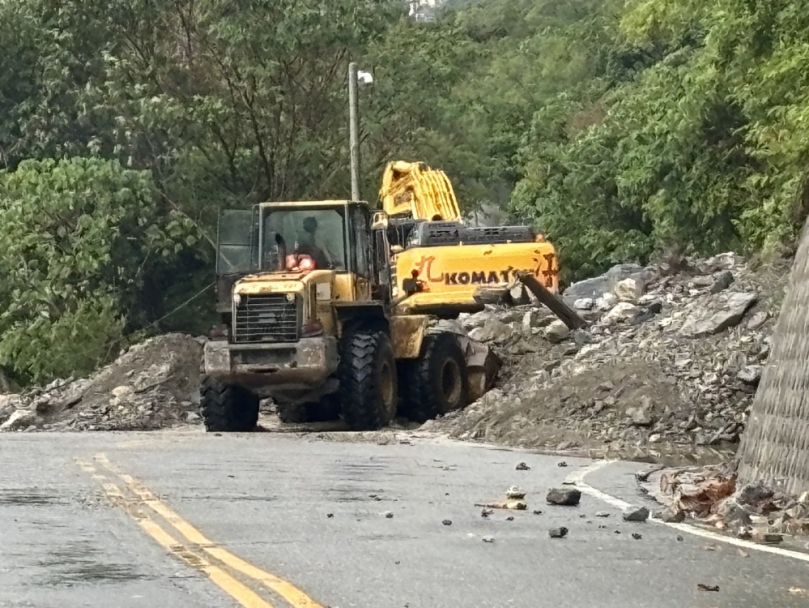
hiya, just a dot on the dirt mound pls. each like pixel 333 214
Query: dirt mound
pixel 152 385
pixel 667 366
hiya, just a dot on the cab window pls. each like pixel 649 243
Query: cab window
pixel 319 233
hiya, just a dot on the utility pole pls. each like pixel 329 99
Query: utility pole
pixel 354 131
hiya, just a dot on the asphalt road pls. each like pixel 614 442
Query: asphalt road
pixel 185 519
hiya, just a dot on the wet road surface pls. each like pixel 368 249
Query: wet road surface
pixel 176 519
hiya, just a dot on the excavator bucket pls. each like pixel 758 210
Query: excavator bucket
pixel 416 190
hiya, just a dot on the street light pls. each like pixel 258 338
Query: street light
pixel 355 76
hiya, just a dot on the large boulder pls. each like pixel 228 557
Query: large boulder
pixel 493 330
pixel 719 313
pixel 598 286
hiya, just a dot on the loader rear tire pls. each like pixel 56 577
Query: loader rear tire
pixel 227 408
pixel 368 385
pixel 437 381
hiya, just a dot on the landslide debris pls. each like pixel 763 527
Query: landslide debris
pixel 666 368
pixel 152 385
pixel 712 496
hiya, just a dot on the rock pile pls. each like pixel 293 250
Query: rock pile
pixel 668 363
pixel 152 385
pixel 712 496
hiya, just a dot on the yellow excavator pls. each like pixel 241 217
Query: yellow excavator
pixel 441 265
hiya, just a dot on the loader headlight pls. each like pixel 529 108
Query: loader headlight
pixel 237 298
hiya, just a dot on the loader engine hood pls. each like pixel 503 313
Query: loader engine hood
pixel 280 306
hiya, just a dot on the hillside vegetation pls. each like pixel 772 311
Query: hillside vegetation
pixel 619 129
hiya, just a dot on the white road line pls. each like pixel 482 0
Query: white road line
pixel 576 478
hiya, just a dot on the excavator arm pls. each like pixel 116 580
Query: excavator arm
pixel 415 190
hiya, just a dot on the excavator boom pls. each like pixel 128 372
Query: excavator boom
pixel 415 190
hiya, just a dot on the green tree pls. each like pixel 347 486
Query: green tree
pixel 78 238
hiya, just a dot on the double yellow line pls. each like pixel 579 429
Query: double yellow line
pixel 188 544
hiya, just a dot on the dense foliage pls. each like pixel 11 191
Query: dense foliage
pixel 619 128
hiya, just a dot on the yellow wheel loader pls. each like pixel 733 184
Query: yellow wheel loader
pixel 443 265
pixel 311 319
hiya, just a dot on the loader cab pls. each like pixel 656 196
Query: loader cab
pixel 339 236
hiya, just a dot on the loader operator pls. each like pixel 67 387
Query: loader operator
pixel 313 245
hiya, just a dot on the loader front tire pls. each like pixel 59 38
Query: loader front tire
pixel 227 408
pixel 368 385
pixel 436 382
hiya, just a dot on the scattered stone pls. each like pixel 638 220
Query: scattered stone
pixel 329 515
pixel 523 467
pixel 704 587
pixel 557 532
pixel 568 497
pixel 515 493
pixel 602 514
pixel 388 514
pixel 620 313
pixel 629 290
pixel 743 553
pixel 750 374
pixel 537 512
pixel 757 320
pixel 584 303
pixel 488 539
pixel 561 464
pixel 744 533
pixel 636 514
pixel 485 512
pixel 672 515
pixel 447 522
pixel 723 281
pixel 557 332
pixel 754 494
pixel 510 518
pixel 680 538
pixel 767 538
pixel 606 302
pixel 642 414
pixel 636 536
